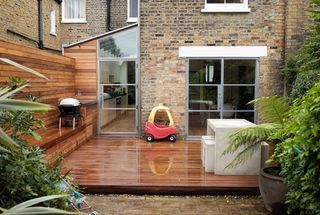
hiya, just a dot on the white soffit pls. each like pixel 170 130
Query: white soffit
pixel 222 51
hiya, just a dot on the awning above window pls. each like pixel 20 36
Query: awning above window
pixel 223 51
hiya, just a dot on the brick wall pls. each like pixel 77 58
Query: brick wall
pixel 22 17
pixel 297 24
pixel 166 25
pixel 96 17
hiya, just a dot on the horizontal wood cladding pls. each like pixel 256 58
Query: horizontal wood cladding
pixel 59 69
pixel 86 78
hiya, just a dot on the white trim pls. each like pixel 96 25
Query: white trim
pixel 226 7
pixel 131 19
pixel 68 21
pixel 223 51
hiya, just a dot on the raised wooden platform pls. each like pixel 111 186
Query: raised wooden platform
pixel 131 165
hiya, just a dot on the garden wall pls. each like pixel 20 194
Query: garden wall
pixel 59 69
pixel 61 72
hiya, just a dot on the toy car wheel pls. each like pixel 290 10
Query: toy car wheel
pixel 149 138
pixel 173 138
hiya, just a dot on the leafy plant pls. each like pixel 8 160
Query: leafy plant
pixel 25 207
pixel 299 153
pixel 24 175
pixel 9 104
pixel 273 111
pixel 302 71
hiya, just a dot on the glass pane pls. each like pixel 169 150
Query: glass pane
pixel 203 98
pixel 234 1
pixel 133 8
pixel 119 96
pixel 74 9
pixel 204 71
pixel 118 121
pixel 239 71
pixel 239 115
pixel 215 1
pixel 236 98
pixel 117 72
pixel 123 44
pixel 198 122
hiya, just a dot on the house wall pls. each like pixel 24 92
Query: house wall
pixel 22 17
pixel 166 25
pixel 96 17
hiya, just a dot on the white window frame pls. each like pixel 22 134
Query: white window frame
pixel 68 20
pixel 226 7
pixel 131 19
pixel 53 22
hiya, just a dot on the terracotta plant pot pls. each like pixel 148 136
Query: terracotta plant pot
pixel 273 191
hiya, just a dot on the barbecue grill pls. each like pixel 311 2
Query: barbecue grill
pixel 69 110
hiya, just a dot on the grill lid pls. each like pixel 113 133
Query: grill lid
pixel 70 102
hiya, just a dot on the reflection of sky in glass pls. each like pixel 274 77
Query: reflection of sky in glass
pixel 123 44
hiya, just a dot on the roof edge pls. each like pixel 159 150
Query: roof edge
pixel 99 36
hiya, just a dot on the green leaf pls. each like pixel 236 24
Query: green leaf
pixel 37 201
pixel 4 90
pixel 16 105
pixel 243 156
pixel 7 142
pixel 272 109
pixel 12 63
pixel 8 94
pixel 36 135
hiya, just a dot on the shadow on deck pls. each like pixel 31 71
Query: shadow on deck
pixel 131 165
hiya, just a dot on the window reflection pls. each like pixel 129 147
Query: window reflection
pixel 123 44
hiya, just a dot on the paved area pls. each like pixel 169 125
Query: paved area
pixel 177 205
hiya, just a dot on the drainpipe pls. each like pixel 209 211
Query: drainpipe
pixel 40 27
pixel 109 15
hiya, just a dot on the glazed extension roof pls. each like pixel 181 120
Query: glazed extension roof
pixel 100 35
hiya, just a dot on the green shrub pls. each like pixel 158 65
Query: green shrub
pixel 299 154
pixel 25 176
pixel 302 70
pixel 24 173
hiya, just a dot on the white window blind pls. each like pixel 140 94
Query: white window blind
pixel 74 11
pixel 53 22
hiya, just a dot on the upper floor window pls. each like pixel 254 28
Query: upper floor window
pixel 73 11
pixel 226 6
pixel 53 22
pixel 132 11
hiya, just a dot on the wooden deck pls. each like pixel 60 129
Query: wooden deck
pixel 131 165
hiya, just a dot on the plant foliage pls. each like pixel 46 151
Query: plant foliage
pixel 25 207
pixel 273 111
pixel 24 175
pixel 302 71
pixel 299 154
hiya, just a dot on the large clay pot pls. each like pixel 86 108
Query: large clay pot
pixel 273 191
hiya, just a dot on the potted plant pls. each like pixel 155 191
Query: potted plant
pixel 273 112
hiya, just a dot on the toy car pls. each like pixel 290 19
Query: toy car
pixel 160 124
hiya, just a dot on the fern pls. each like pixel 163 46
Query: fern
pixel 273 111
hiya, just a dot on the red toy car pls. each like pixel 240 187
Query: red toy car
pixel 160 125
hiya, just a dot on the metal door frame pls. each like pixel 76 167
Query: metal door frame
pixel 220 91
pixel 100 100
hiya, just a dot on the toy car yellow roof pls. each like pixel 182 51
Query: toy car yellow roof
pixel 157 108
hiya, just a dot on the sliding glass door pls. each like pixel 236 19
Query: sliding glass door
pixel 219 89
